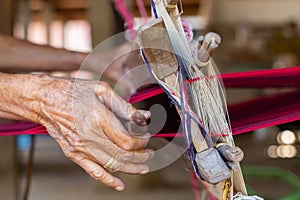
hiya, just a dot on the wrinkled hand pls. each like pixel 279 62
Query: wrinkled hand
pixel 113 65
pixel 83 117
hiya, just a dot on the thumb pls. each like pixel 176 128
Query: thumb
pixel 119 106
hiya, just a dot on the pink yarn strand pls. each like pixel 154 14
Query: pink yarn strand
pixel 142 10
pixel 194 184
pixel 121 7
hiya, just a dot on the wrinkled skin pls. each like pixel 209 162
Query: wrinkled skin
pixel 22 56
pixel 115 65
pixel 83 117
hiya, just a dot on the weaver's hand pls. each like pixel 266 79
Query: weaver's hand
pixel 111 66
pixel 82 116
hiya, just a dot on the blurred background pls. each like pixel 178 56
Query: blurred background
pixel 256 34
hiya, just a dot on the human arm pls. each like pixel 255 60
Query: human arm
pixel 22 56
pixel 82 116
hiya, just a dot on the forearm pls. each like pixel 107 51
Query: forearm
pixel 19 96
pixel 78 115
pixel 21 56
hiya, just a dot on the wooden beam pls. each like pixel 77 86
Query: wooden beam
pixel 70 4
pixel 7 144
pixel 190 7
pixel 61 15
pixel 101 17
pixel 59 4
pixel 6 16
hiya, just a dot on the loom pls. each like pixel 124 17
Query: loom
pixel 265 111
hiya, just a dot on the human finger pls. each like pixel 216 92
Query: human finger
pixel 134 156
pixel 119 106
pixel 115 131
pixel 100 174
pixel 114 165
pixel 111 163
pixel 82 158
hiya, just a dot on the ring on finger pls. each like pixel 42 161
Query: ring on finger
pixel 109 163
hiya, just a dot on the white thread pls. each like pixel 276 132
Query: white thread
pixel 240 196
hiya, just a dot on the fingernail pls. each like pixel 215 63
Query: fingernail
pixel 146 135
pixel 147 114
pixel 119 188
pixel 151 154
pixel 145 171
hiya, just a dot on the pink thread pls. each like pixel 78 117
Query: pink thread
pixel 142 10
pixel 188 30
pixel 194 184
pixel 168 135
pixel 37 130
pixel 211 196
pixel 241 121
pixel 121 7
pixel 145 94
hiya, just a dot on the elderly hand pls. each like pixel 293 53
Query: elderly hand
pixel 83 117
pixel 113 66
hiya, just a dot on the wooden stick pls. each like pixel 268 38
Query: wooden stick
pixel 164 64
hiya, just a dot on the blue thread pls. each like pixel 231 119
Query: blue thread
pixel 167 92
pixel 24 142
pixel 184 71
pixel 191 152
pixel 153 8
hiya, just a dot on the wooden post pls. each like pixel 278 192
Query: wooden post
pixel 102 20
pixel 159 52
pixel 7 144
pixel 8 185
pixel 6 16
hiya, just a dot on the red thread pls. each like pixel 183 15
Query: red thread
pixel 194 183
pixel 246 116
